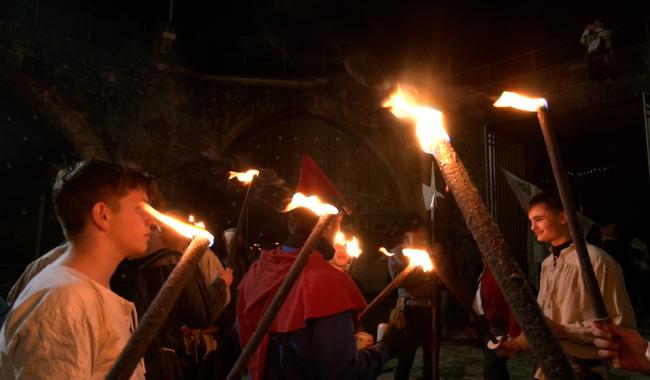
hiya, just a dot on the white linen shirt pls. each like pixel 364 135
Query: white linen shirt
pixel 66 326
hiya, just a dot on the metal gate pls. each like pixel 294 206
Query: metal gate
pixel 503 153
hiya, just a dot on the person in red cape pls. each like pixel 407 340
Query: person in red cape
pixel 313 335
pixel 490 303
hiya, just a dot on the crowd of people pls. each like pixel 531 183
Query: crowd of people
pixel 73 310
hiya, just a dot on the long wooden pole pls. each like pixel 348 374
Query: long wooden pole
pixel 435 293
pixel 232 246
pixel 562 182
pixel 436 339
pixel 544 345
pixel 279 298
pixel 387 291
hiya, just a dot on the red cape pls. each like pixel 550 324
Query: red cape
pixel 495 306
pixel 320 291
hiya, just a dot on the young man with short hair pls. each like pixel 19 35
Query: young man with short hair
pixel 563 297
pixel 67 323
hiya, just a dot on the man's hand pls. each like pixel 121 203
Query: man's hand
pixel 508 348
pixel 364 340
pixel 625 344
pixel 226 276
pixel 396 339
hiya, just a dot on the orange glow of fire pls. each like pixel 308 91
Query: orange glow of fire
pixel 428 121
pixel 188 230
pixel 514 100
pixel 313 203
pixel 245 177
pixel 339 238
pixel 385 251
pixel 352 247
pixel 198 224
pixel 418 257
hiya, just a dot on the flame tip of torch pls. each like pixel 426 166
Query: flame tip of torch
pixel 418 257
pixel 312 203
pixel 244 177
pixel 428 120
pixel 188 230
pixel 521 102
pixel 352 247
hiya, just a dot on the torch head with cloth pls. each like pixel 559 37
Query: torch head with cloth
pixel 416 289
pixel 301 221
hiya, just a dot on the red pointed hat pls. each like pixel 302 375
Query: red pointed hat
pixel 313 181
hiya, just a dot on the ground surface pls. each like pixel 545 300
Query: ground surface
pixel 461 359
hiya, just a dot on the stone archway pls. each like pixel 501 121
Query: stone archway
pixel 358 163
pixel 375 145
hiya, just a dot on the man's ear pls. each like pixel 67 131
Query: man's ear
pixel 100 215
pixel 563 218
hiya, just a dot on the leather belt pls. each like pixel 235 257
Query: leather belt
pixel 417 302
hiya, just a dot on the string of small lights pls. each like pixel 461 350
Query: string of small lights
pixel 591 171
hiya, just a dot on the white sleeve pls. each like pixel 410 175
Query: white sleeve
pixel 477 304
pixel 54 344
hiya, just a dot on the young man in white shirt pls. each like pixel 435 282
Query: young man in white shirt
pixel 66 323
pixel 562 295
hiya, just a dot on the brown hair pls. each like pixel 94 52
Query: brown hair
pixel 548 198
pixel 76 190
pixel 301 221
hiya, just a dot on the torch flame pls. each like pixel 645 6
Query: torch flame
pixel 428 121
pixel 313 203
pixel 352 247
pixel 514 100
pixel 246 177
pixel 418 257
pixel 385 251
pixel 187 230
pixel 339 238
pixel 198 224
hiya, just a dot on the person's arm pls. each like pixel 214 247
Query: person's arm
pixel 335 354
pixel 201 306
pixel 219 292
pixel 612 287
pixel 32 269
pixel 396 265
pixel 631 349
pixel 211 268
pixel 584 38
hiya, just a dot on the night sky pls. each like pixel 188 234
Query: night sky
pixel 394 32
pixel 389 33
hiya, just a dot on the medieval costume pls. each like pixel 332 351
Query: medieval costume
pixel 64 325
